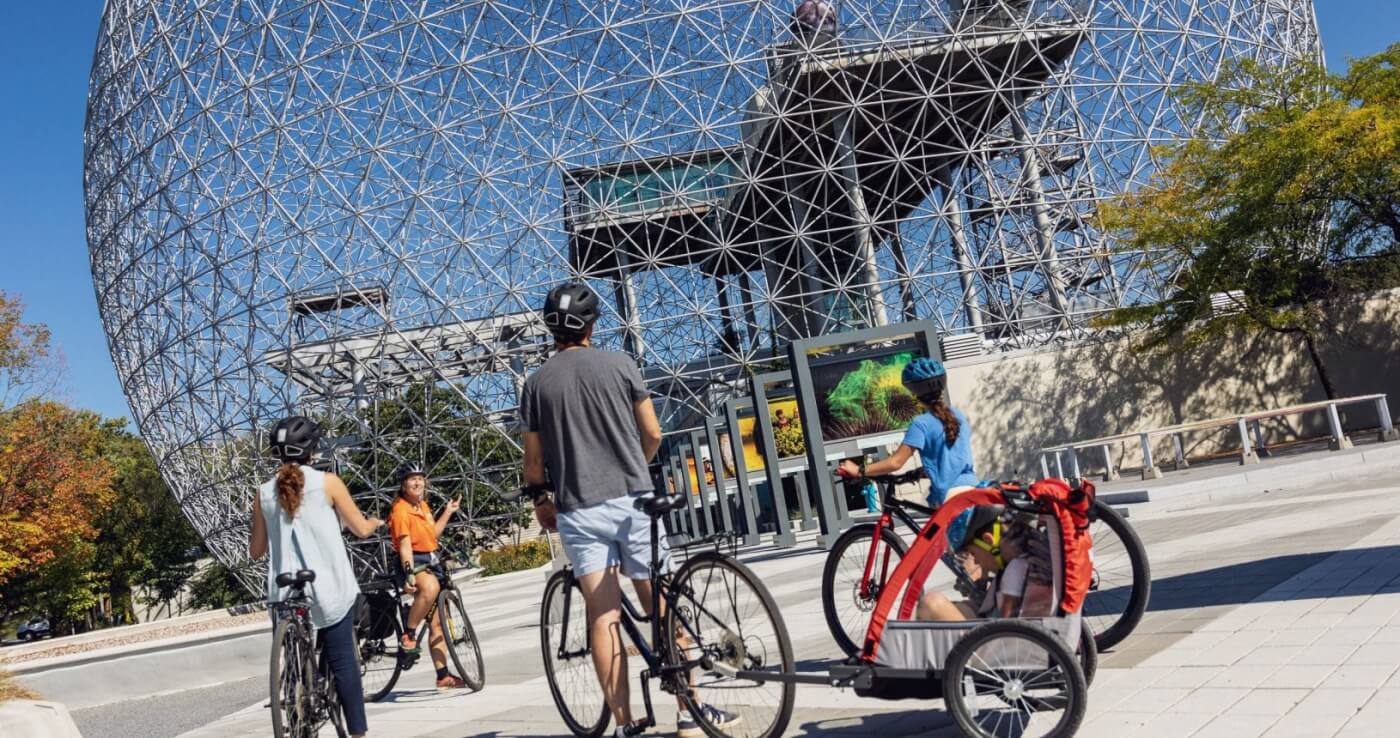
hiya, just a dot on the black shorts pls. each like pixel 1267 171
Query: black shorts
pixel 430 559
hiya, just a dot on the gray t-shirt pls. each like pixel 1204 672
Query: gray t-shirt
pixel 580 402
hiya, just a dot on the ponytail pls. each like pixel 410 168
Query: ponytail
pixel 290 482
pixel 951 426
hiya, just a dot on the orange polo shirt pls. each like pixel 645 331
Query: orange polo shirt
pixel 416 522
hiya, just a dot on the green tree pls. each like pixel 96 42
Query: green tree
pixel 26 357
pixel 144 539
pixel 216 586
pixel 1287 200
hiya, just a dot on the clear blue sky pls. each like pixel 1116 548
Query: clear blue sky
pixel 45 52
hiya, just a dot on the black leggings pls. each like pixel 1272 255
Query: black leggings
pixel 338 650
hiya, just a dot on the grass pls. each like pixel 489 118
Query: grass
pixel 13 690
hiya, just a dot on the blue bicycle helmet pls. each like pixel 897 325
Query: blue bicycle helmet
pixel 971 523
pixel 924 376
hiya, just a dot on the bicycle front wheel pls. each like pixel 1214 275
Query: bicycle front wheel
pixel 568 658
pixel 1122 579
pixel 290 682
pixel 724 626
pixel 855 573
pixel 462 645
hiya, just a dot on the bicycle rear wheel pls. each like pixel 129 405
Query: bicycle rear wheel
pixel 290 682
pixel 568 658
pixel 848 597
pixel 380 664
pixel 462 645
pixel 1122 579
pixel 724 625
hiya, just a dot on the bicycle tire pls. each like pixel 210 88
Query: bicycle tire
pixel 958 675
pixel 738 646
pixel 576 706
pixel 462 646
pixel 1112 613
pixel 1088 653
pixel 380 663
pixel 288 684
pixel 856 540
pixel 331 701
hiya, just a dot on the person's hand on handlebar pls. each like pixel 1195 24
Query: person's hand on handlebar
pixel 848 470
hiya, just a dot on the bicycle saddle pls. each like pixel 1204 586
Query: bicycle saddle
pixel 658 505
pixel 303 576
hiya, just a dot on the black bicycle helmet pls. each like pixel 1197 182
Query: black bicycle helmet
pixel 569 310
pixel 409 468
pixel 294 438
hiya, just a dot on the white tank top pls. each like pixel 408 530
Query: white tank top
pixel 312 540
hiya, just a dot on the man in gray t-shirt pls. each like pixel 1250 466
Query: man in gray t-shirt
pixel 590 429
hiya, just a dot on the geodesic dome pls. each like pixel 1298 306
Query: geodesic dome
pixel 353 209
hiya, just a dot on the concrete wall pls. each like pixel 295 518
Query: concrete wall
pixel 1021 401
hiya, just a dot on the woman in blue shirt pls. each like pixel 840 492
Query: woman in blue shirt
pixel 941 436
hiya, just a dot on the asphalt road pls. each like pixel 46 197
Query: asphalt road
pixel 169 715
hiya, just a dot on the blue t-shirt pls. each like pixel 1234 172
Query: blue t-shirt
pixel 946 466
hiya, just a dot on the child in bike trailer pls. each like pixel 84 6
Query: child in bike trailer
pixel 941 436
pixel 990 545
pixel 590 429
pixel 415 536
pixel 296 519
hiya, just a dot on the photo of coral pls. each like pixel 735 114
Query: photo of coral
pixel 863 395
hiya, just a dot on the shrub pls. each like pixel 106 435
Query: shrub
pixel 515 557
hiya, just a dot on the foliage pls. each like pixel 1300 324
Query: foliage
pixel 53 485
pixel 1288 199
pixel 26 358
pixel 515 557
pixel 788 439
pixel 13 690
pixel 216 586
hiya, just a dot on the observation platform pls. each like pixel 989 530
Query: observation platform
pixel 847 137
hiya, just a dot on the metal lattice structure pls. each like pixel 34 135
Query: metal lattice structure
pixel 353 208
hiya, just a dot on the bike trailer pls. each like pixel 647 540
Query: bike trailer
pixel 1005 663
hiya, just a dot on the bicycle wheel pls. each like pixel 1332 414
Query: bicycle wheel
pixel 290 682
pixel 462 645
pixel 568 660
pixel 848 597
pixel 1013 678
pixel 1122 579
pixel 380 664
pixel 330 702
pixel 724 625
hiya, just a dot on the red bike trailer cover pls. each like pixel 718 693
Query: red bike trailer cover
pixel 913 570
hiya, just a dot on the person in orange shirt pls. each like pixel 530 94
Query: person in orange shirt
pixel 415 535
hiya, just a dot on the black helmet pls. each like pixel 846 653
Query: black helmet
pixel 970 524
pixel 294 438
pixel 410 468
pixel 569 309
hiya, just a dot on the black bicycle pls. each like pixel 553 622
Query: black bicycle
pixel 862 558
pixel 723 641
pixel 380 626
pixel 303 690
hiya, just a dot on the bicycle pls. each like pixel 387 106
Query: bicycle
pixel 700 651
pixel 860 561
pixel 380 629
pixel 303 691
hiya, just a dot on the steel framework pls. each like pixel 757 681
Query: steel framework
pixel 353 208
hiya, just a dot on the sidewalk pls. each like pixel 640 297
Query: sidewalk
pixel 1273 613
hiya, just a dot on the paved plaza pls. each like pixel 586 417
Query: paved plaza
pixel 1273 613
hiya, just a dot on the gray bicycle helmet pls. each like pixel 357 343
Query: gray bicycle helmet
pixel 410 468
pixel 569 310
pixel 294 438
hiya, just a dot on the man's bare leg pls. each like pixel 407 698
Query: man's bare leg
pixel 604 598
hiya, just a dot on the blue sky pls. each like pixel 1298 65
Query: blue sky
pixel 45 53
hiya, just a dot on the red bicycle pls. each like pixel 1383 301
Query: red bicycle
pixel 861 561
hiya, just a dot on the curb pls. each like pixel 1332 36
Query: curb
pixel 113 653
pixel 133 629
pixel 35 719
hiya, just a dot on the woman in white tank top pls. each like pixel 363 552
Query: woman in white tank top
pixel 296 522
